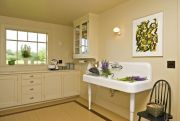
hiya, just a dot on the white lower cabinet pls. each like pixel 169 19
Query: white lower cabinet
pixel 52 85
pixel 70 83
pixel 26 88
pixel 31 88
pixel 8 90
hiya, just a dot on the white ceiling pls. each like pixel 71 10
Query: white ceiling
pixel 54 11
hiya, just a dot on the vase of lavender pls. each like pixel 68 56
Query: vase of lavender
pixel 105 68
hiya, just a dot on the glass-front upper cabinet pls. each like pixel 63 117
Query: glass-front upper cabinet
pixel 81 38
pixel 77 40
pixel 85 39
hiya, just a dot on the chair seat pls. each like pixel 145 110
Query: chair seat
pixel 146 115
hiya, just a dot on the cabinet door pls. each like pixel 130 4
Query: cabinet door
pixel 8 90
pixel 52 85
pixel 70 83
pixel 84 38
pixel 81 38
pixel 77 39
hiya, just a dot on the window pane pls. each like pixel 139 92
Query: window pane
pixel 42 53
pixel 84 42
pixel 22 35
pixel 34 56
pixel 32 36
pixel 11 50
pixel 42 37
pixel 11 34
pixel 84 49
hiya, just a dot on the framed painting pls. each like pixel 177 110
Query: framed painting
pixel 147 35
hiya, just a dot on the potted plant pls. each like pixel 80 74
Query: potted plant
pixel 11 61
pixel 26 53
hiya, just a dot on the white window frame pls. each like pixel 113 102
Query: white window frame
pixel 4 27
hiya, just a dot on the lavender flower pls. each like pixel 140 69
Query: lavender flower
pixel 105 68
pixel 138 78
pixel 132 78
pixel 105 64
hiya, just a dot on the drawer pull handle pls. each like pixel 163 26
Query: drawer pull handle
pixel 32 76
pixel 31 98
pixel 31 89
pixel 31 81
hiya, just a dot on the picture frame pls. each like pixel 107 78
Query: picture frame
pixel 148 36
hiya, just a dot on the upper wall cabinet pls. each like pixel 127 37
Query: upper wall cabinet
pixel 86 37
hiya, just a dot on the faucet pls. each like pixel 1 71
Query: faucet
pixel 116 65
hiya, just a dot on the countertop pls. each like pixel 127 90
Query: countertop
pixel 33 71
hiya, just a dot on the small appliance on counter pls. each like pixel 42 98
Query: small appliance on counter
pixel 53 65
pixel 62 66
pixel 70 66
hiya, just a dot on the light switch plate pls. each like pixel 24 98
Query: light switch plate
pixel 171 64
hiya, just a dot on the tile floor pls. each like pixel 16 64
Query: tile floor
pixel 103 111
pixel 69 111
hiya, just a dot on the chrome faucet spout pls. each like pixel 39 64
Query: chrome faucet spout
pixel 116 66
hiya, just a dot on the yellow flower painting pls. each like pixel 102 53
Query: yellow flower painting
pixel 147 35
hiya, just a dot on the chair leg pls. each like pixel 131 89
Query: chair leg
pixel 139 118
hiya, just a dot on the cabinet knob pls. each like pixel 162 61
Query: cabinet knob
pixel 31 81
pixel 32 76
pixel 31 89
pixel 31 98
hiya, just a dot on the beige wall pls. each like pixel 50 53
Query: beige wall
pixel 120 49
pixel 59 40
pixel 116 49
pixel 178 94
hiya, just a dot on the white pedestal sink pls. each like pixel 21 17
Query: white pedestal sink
pixel 129 69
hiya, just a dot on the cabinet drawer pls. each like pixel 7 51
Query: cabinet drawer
pixel 30 98
pixel 31 76
pixel 31 89
pixel 31 81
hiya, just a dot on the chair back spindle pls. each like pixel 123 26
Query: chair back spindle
pixel 161 93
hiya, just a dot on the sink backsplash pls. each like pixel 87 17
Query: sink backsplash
pixel 132 69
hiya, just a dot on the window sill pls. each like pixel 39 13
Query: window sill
pixel 6 65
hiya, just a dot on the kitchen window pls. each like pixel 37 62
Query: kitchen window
pixel 36 41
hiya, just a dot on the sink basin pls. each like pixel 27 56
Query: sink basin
pixel 135 87
pixel 128 69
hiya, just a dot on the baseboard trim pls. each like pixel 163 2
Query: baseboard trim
pixel 33 106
